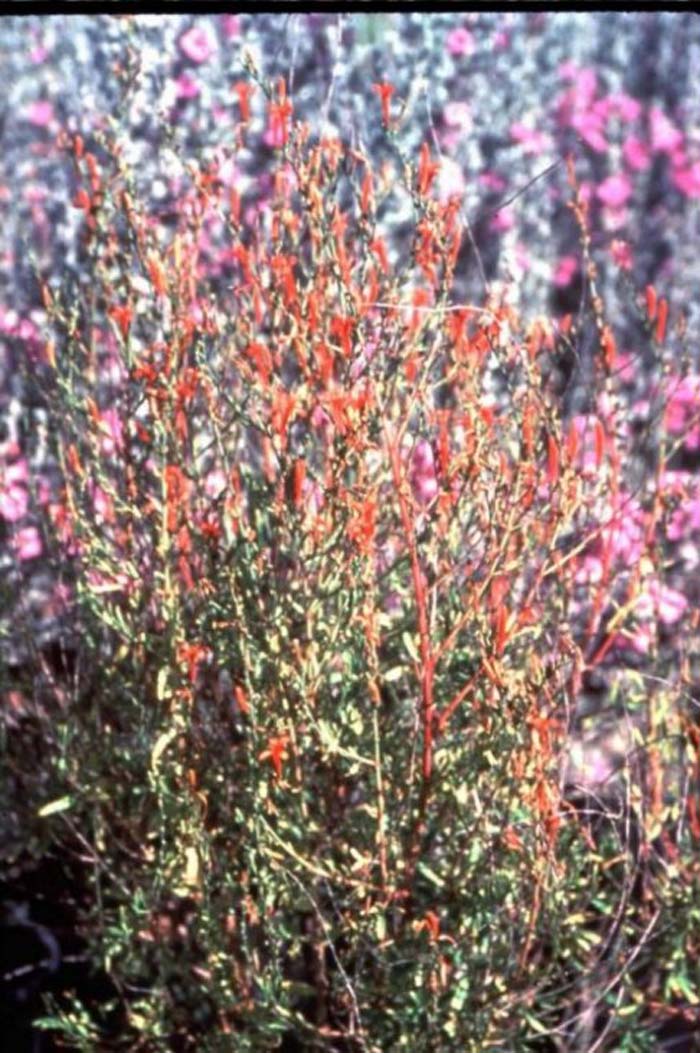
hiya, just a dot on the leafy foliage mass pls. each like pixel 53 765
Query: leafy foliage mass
pixel 335 563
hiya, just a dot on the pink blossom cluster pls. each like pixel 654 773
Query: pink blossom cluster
pixel 40 113
pixel 111 428
pixel 566 270
pixel 460 42
pixel 198 45
pixel 580 108
pixel 657 605
pixel 618 544
pixel 423 474
pixel 683 409
pixel 14 497
pixel 683 488
pixel 533 140
pixel 14 503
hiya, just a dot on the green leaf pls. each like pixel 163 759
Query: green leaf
pixel 328 737
pixel 162 683
pixel 536 1025
pixel 410 645
pixel 430 874
pixel 161 744
pixel 61 804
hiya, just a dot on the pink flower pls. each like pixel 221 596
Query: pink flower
pixel 26 543
pixel 664 134
pixel 501 40
pixel 492 181
pixel 589 125
pixel 274 135
pixel 102 503
pixel 687 180
pixel 636 153
pixel 532 141
pixel 590 570
pixel 198 45
pixel 669 604
pixel 579 111
pixel 503 220
pixel 683 410
pixel 626 108
pixel 684 520
pixel 458 115
pixel 313 496
pixel 586 190
pixel 186 87
pixel 568 70
pixel 14 499
pixel 39 54
pixel 614 191
pixel 44 490
pixel 35 195
pixel 567 267
pixel 625 367
pixel 112 431
pixel 621 254
pixel 230 26
pixel 422 476
pixel 615 218
pixel 363 359
pixel 641 639
pixel 585 86
pixel 40 113
pixel 215 483
pixel 460 42
pixel 320 420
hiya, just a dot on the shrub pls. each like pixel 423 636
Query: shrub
pixel 338 566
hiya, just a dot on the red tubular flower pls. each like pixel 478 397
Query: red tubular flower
pixel 427 170
pixel 276 752
pixel 241 699
pixel 661 318
pixel 609 348
pixel 378 247
pixel 157 275
pixel 82 200
pixel 552 460
pixel 244 91
pixel 192 654
pixel 283 406
pixel 363 525
pixel 298 481
pixel 651 302
pixel 262 359
pixel 385 91
pixel 367 194
pixel 342 327
pixel 279 114
pixel 122 315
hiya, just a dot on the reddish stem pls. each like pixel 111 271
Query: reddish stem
pixel 426 650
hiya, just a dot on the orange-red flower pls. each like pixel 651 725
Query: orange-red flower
pixel 244 91
pixel 427 170
pixel 385 91
pixel 276 753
